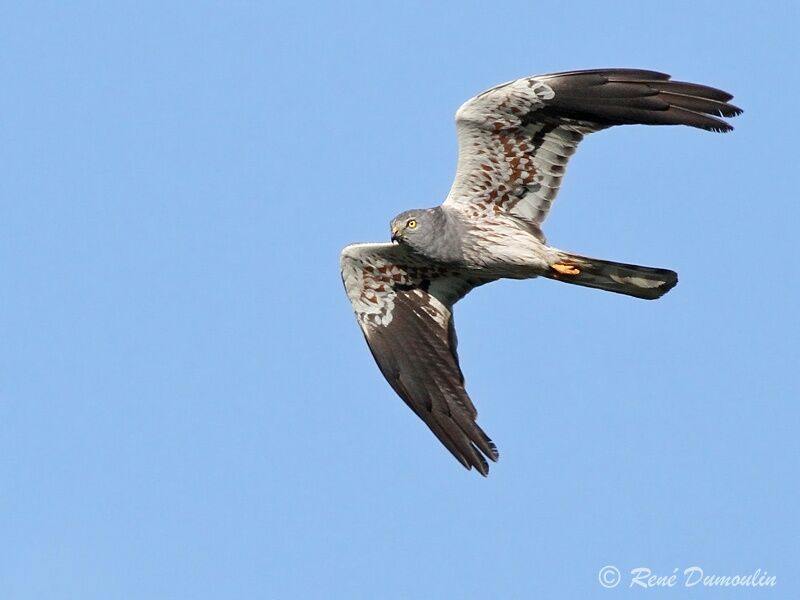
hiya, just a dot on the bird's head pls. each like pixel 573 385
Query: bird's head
pixel 413 227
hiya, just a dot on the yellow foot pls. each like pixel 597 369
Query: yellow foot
pixel 563 269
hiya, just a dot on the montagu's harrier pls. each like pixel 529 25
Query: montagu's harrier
pixel 514 144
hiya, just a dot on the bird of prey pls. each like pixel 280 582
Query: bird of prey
pixel 514 142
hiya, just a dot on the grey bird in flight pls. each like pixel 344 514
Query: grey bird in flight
pixel 514 144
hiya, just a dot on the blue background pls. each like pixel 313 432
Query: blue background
pixel 188 408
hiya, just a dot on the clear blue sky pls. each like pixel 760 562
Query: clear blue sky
pixel 187 407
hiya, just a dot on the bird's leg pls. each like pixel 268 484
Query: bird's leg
pixel 565 269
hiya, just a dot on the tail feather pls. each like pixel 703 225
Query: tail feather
pixel 621 278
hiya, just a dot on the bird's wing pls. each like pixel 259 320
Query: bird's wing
pixel 404 308
pixel 515 139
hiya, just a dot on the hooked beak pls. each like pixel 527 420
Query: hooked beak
pixel 395 234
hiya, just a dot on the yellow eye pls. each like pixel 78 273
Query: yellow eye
pixel 411 224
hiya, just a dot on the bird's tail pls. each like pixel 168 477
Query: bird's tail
pixel 633 280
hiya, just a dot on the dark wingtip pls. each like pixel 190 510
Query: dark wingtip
pixel 476 460
pixel 735 111
pixel 494 454
pixel 630 96
pixel 722 128
pixel 482 466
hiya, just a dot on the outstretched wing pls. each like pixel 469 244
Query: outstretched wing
pixel 404 308
pixel 515 139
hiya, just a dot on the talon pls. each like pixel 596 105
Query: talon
pixel 564 269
